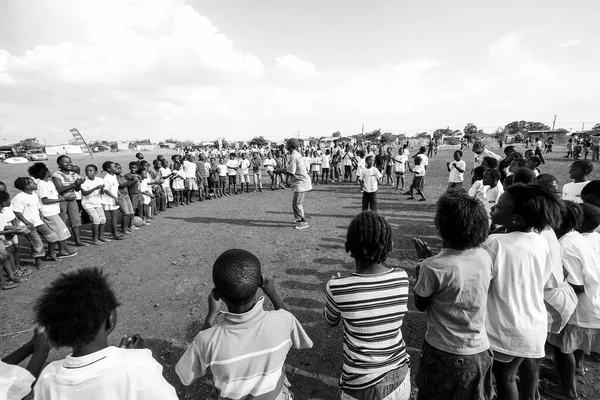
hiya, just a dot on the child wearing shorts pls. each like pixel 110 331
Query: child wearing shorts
pixel 50 201
pixel 400 167
pixel 223 170
pixel 249 345
pixel 232 170
pixel 452 286
pixel 256 163
pixel 110 197
pixel 166 174
pixel 244 174
pixel 128 197
pixel 146 192
pixel 371 304
pixel 92 190
pixel 178 184
pixel 270 164
pixel 418 180
pixel 79 310
pixel 67 183
pixel 191 184
pixel 6 262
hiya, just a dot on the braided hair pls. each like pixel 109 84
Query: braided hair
pixel 369 237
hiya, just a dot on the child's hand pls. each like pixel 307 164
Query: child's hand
pixel 267 285
pixel 423 249
pixel 39 341
pixel 132 342
pixel 214 305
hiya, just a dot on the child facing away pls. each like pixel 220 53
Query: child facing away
pixel 79 310
pixel 246 351
pixel 92 189
pixel 516 320
pixel 456 169
pixel 371 304
pixel 579 172
pixel 15 381
pixel 369 179
pixel 418 182
pixel 582 332
pixel 13 249
pixel 452 286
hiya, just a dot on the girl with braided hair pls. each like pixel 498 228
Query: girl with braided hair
pixel 371 304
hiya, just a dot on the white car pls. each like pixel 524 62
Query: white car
pixel 37 155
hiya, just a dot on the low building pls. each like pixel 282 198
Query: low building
pixel 63 149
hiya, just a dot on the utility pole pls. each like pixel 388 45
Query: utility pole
pixel 554 122
pixel 363 129
pixel 583 126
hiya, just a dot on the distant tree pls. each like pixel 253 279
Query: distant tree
pixel 373 136
pixel 457 132
pixel 519 137
pixel 336 134
pixel 258 141
pixel 439 133
pixel 386 138
pixel 519 126
pixel 28 144
pixel 596 127
pixel 423 135
pixel 470 129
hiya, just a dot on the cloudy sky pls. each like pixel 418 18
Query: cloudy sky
pixel 126 69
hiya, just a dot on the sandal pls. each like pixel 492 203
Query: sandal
pixel 22 271
pixel 9 286
pixel 104 240
pixel 19 280
pixel 581 372
pixel 118 237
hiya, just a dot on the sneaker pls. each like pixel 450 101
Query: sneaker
pixel 67 254
pixel 134 228
pixel 301 225
pixel 144 223
pixel 297 221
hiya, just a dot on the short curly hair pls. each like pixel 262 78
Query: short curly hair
pixel 369 237
pixel 237 275
pixel 572 216
pixel 74 306
pixel 539 206
pixel 591 218
pixel 38 170
pixel 461 220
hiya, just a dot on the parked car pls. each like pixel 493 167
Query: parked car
pixel 37 155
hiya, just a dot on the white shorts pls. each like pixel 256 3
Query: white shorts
pixel 245 178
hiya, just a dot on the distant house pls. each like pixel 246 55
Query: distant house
pixel 560 136
pixel 63 149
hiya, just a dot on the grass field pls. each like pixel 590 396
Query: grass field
pixel 162 273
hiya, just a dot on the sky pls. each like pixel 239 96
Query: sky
pixel 203 69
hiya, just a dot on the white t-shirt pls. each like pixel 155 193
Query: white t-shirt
pixel 269 164
pixel 478 190
pixel 307 161
pixel 557 276
pixel 164 173
pixel 400 163
pixel 245 165
pixel 189 168
pixel 370 178
pixel 111 184
pixel 360 166
pixel 325 161
pixel 455 176
pixel 145 187
pixel 347 159
pixel 110 373
pixel 299 177
pixel 48 190
pixel 582 266
pixel 492 195
pixel 222 169
pixel 94 200
pixel 29 205
pixel 572 191
pixel 419 170
pixel 594 239
pixel 478 158
pixel 15 382
pixel 424 159
pixel 516 319
pixel 232 166
pixel 315 163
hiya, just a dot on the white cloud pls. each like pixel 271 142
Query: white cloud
pixel 570 43
pixel 507 46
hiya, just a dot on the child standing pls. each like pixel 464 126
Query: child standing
pixel 67 183
pixel 478 189
pixel 92 190
pixel 418 180
pixel 191 184
pixel 245 173
pixel 270 164
pixel 222 168
pixel 166 175
pixel 516 320
pixel 452 286
pixel 400 167
pixel 456 168
pixel 232 169
pixel 579 172
pixel 494 189
pixel 216 184
pixel 250 344
pixel 368 184
pixel 178 183
pixel 256 163
pixel 146 192
pixel 325 163
pixel 110 198
pixel 129 192
pixel 6 262
pixel 569 149
pixel 315 164
pixel 79 310
pixel 371 304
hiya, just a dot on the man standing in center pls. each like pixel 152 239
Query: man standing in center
pixel 299 178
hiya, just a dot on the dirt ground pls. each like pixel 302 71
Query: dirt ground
pixel 162 273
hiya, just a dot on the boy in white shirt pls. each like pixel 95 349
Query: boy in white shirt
pixel 400 168
pixel 456 168
pixel 270 164
pixel 369 179
pixel 579 172
pixel 491 179
pixel 191 184
pixel 418 180
pixel 79 310
pixel 245 170
pixel 232 169
pixel 421 154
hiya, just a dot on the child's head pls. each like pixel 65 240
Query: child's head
pixel 528 153
pixel 478 173
pixel 237 276
pixel 491 177
pixel 164 163
pixel 231 156
pixel 76 169
pixel 306 153
pixel 418 160
pixel 580 169
pixel 547 180
pixel 25 184
pixel 177 166
pixel 3 187
pixel 156 164
pixel 160 157
pixel 509 150
pixel 461 220
pixel 243 156
pixel 145 165
pixel 64 162
pixel 90 171
pixel 589 194
pixel 4 200
pixel 422 149
pixel 489 163
pixel 523 175
pixel 139 156
pixel 221 160
pixel 108 166
pixel 142 172
pixel 327 152
pixel 591 218
pixel 517 164
pixel 77 307
pixel 533 162
pixel 369 161
pixel 133 166
pixel 526 207
pixel 458 155
pixel 369 238
pixel 38 170
pixel 571 218
pixel 118 169
pixel 478 147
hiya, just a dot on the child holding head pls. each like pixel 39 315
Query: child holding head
pixel 452 286
pixel 249 344
pixel 369 179
pixel 92 190
pixel 516 320
pixel 79 310
pixel 579 172
pixel 456 169
pixel 582 333
pixel 371 304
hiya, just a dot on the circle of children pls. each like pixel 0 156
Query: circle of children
pixel 519 269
